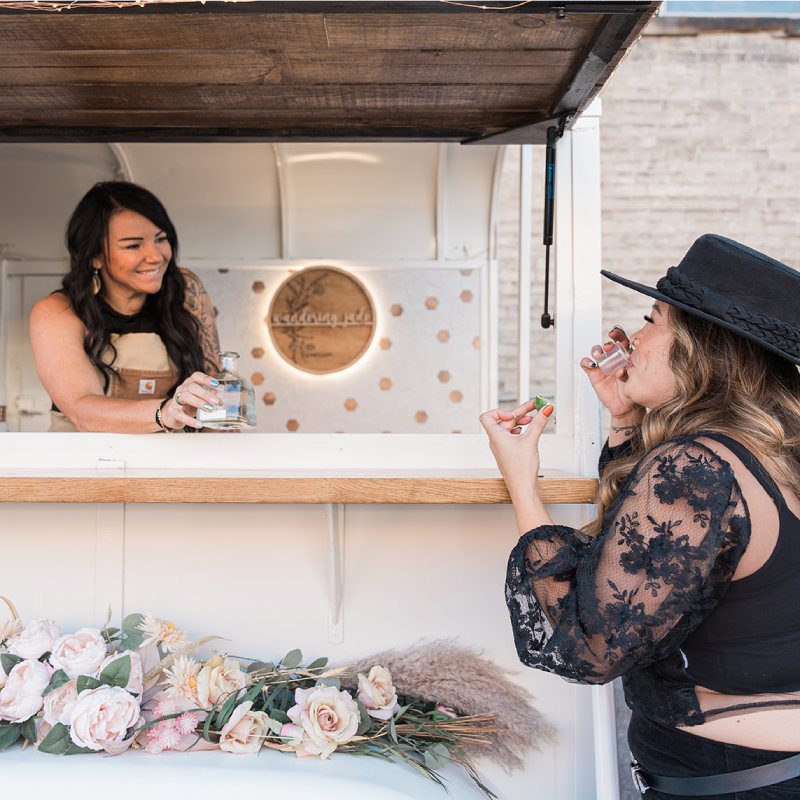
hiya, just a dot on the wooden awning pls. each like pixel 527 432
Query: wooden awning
pixel 307 71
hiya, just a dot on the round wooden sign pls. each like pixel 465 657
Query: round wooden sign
pixel 321 320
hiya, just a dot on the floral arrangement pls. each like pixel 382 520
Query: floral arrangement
pixel 110 689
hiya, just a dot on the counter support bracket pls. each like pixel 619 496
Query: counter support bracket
pixel 334 513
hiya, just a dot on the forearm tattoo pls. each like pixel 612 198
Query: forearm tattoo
pixel 626 430
pixel 199 303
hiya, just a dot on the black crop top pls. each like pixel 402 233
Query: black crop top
pixel 751 641
pixel 655 583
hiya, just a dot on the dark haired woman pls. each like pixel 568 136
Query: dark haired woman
pixel 687 584
pixel 127 344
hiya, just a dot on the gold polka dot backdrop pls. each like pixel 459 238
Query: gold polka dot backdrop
pixel 416 369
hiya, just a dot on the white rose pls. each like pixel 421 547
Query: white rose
pixel 58 704
pixel 219 676
pixel 79 653
pixel 245 730
pixel 328 718
pixel 21 697
pixel 136 680
pixel 35 640
pixel 102 716
pixel 376 692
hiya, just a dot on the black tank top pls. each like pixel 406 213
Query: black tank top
pixel 750 643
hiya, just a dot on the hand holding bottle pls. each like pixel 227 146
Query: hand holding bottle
pixel 195 393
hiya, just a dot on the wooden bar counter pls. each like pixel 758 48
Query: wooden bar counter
pixel 169 486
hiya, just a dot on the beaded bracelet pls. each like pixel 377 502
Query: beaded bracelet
pixel 159 420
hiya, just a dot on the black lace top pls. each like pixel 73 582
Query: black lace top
pixel 623 602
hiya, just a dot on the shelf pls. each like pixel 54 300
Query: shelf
pixel 169 486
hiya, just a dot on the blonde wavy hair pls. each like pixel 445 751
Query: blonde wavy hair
pixel 725 384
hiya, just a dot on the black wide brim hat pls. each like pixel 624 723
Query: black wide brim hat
pixel 737 288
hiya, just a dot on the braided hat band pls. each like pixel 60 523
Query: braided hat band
pixel 737 288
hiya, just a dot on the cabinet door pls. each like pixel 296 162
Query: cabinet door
pixel 28 404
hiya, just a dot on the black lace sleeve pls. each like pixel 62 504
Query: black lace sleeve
pixel 591 609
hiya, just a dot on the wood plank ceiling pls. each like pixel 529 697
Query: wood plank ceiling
pixel 307 71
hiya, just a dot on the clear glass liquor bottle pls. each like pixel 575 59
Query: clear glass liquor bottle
pixel 238 409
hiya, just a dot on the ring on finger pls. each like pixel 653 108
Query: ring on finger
pixel 178 398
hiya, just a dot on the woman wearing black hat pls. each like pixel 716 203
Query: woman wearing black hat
pixel 686 585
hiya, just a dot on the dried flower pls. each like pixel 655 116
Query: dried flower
pixel 162 632
pixel 9 628
pixel 182 678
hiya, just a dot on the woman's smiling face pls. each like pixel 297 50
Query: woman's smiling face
pixel 650 379
pixel 136 258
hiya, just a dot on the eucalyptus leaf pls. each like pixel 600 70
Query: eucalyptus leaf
pixel 133 640
pixel 392 730
pixel 117 673
pixel 57 742
pixel 441 751
pixel 258 665
pixel 254 691
pixel 224 714
pixel 130 622
pixel 74 750
pixel 59 679
pixel 432 760
pixel 9 733
pixel 9 661
pixel 274 725
pixel 207 723
pixel 333 680
pixel 292 659
pixel 319 663
pixel 28 730
pixel 366 720
pixel 280 716
pixel 85 682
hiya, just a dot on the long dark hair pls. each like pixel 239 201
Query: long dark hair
pixel 726 384
pixel 87 240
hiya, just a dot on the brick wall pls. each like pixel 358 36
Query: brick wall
pixel 699 134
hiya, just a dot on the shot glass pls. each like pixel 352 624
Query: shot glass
pixel 615 359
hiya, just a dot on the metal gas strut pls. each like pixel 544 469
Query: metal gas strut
pixel 553 135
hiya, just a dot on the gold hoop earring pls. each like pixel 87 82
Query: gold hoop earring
pixel 96 285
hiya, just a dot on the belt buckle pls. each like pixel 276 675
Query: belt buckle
pixel 639 781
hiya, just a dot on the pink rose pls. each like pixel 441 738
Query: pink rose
pixel 245 731
pixel 136 679
pixel 35 640
pixel 101 717
pixel 58 704
pixel 79 653
pixel 219 676
pixel 3 677
pixel 376 692
pixel 327 716
pixel 21 697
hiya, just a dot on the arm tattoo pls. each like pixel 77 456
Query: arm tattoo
pixel 199 303
pixel 626 430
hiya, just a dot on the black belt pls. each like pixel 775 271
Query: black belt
pixel 729 782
